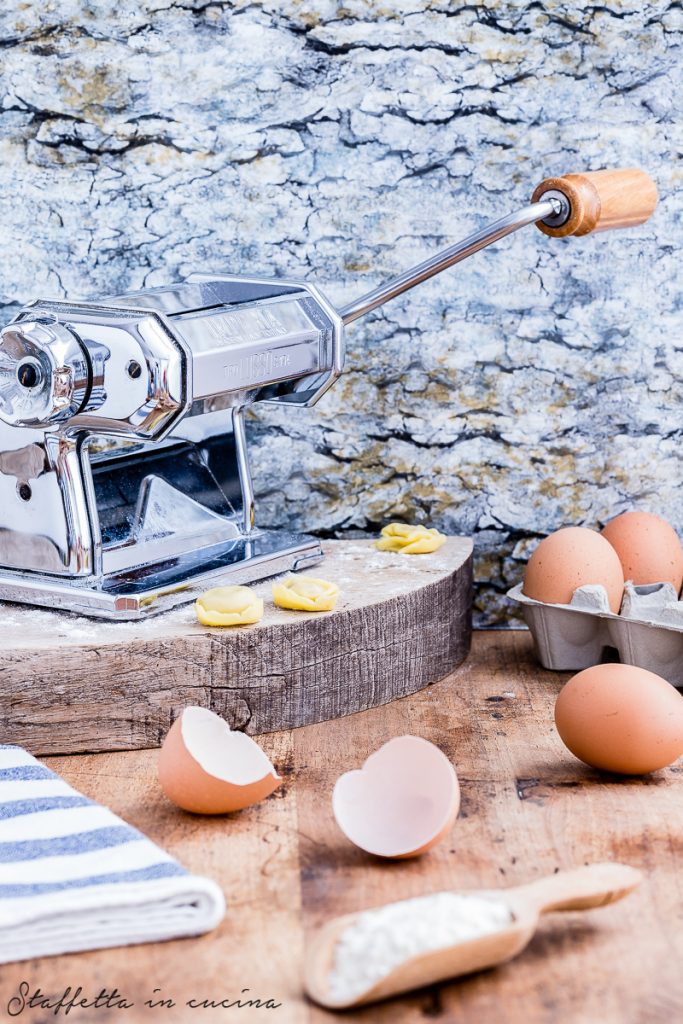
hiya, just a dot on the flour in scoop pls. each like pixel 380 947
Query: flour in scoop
pixel 382 939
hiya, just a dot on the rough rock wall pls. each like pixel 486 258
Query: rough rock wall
pixel 536 385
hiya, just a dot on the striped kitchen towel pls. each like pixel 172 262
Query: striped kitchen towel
pixel 73 876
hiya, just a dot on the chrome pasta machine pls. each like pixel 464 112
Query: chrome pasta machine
pixel 124 470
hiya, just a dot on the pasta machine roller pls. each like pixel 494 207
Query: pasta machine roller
pixel 124 471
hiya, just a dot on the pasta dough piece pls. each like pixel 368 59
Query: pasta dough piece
pixel 229 606
pixel 410 540
pixel 305 594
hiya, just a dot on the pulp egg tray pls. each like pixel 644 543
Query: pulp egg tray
pixel 648 632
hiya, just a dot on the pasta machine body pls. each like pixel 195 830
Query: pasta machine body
pixel 124 473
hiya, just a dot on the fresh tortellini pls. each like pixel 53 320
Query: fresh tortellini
pixel 410 540
pixel 305 594
pixel 229 606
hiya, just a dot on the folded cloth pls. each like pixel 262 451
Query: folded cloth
pixel 73 876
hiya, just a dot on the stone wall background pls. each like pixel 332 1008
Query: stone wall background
pixel 537 385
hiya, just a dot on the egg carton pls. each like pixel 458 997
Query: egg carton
pixel 648 631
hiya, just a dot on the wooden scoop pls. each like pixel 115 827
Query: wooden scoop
pixel 581 889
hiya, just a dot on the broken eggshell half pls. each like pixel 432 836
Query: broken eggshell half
pixel 206 768
pixel 402 802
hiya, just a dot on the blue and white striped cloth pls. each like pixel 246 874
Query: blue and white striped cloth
pixel 73 876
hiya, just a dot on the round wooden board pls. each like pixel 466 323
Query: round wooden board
pixel 71 684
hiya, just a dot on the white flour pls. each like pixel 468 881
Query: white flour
pixel 381 939
pixel 383 576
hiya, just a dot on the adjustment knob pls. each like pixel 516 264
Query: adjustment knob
pixel 45 373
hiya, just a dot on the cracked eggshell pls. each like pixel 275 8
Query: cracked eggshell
pixel 402 802
pixel 571 558
pixel 648 548
pixel 621 719
pixel 206 768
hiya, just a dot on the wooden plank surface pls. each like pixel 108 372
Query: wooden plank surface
pixel 401 623
pixel 528 808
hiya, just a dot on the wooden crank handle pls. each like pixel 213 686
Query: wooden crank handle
pixel 599 200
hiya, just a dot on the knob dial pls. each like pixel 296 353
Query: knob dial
pixel 45 373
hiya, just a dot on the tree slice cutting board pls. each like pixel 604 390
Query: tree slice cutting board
pixel 71 684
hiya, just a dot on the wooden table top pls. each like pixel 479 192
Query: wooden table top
pixel 528 808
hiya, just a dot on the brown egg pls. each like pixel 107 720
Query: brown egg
pixel 206 768
pixel 621 718
pixel 648 548
pixel 571 558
